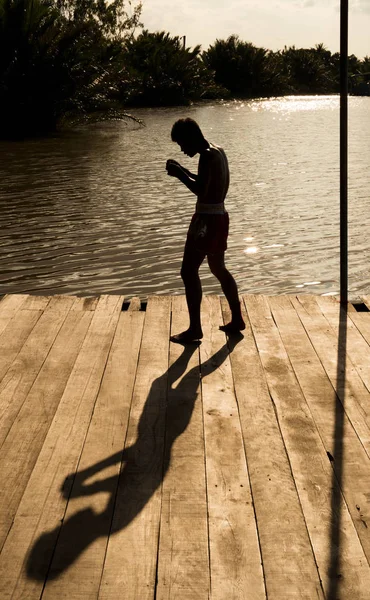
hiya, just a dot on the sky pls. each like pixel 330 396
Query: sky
pixel 266 23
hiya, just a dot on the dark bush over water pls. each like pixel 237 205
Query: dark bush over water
pixel 60 61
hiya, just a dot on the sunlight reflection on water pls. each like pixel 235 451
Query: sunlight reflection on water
pixel 293 104
pixel 93 211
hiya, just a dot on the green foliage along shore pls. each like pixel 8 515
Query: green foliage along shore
pixel 61 62
pixel 162 72
pixel 70 61
pixel 250 72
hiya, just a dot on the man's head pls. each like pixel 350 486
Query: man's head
pixel 188 135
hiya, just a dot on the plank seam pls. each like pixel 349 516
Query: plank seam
pixel 39 370
pixel 24 343
pixel 331 384
pixel 205 474
pixel 335 475
pixel 300 387
pixel 120 469
pixel 285 448
pixel 366 301
pixel 356 326
pixel 247 466
pixel 79 459
pixel 348 315
pixel 163 473
pixel 338 499
pixel 329 378
pixel 46 431
pixel 7 533
pixel 365 340
pixel 295 486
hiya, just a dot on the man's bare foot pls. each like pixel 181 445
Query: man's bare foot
pixel 189 336
pixel 233 327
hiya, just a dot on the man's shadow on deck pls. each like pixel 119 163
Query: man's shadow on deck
pixel 144 466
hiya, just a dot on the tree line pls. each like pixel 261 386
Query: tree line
pixel 70 61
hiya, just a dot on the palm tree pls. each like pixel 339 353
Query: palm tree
pixel 309 70
pixel 243 68
pixel 161 71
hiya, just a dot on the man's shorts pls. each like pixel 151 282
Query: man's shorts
pixel 208 233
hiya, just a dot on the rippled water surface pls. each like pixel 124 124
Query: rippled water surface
pixel 93 211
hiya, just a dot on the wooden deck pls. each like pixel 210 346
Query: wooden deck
pixel 134 468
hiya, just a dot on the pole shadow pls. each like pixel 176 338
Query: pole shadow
pixel 335 575
pixel 144 466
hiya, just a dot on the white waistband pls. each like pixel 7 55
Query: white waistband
pixel 210 209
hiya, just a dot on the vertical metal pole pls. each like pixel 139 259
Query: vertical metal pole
pixel 344 152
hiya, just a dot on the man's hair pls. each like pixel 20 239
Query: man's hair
pixel 186 129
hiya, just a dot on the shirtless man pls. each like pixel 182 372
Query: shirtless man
pixel 209 227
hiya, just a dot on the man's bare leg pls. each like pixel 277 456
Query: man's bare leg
pixel 193 290
pixel 216 263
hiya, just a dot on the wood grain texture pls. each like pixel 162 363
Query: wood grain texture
pixel 131 560
pixel 15 335
pixel 89 303
pixel 288 561
pixel 349 459
pixel 27 552
pixel 21 375
pixel 9 306
pixel 42 302
pixel 135 304
pixel 235 560
pixel 353 394
pixel 362 322
pixel 138 469
pixel 366 300
pixel 25 438
pixel 78 561
pixel 183 565
pixel 334 539
pixel 357 348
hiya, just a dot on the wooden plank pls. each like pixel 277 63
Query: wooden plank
pixel 366 301
pixel 350 461
pixel 25 438
pixel 358 350
pixel 78 561
pixel 310 464
pixel 288 562
pixel 135 304
pixel 131 558
pixel 235 560
pixel 353 393
pixel 9 305
pixel 90 303
pixel 108 305
pixel 40 302
pixel 183 564
pixel 362 322
pixel 20 377
pixel 15 335
pixel 37 523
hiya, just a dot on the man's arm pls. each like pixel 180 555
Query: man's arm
pixel 192 175
pixel 175 173
pixel 197 184
pixel 191 181
pixel 174 162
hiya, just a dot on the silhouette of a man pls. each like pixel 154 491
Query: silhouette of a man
pixel 209 227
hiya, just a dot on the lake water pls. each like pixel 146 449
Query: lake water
pixel 93 211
